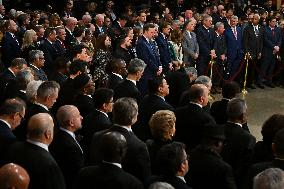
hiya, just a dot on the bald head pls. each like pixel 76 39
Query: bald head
pixel 13 176
pixel 69 117
pixel 40 128
pixel 199 93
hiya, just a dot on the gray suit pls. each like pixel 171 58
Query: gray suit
pixel 190 47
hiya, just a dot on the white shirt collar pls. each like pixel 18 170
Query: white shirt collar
pixel 227 99
pixel 189 33
pixel 49 41
pixel 34 66
pixel 160 97
pixel 11 71
pixel 23 91
pixel 133 81
pixel 8 124
pixel 116 164
pixel 235 123
pixel 182 178
pixel 42 105
pixel 68 30
pixel 146 39
pixel 196 104
pixel 69 132
pixel 102 112
pixel 125 127
pixel 44 146
pixel 118 75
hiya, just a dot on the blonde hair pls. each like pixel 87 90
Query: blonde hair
pixel 28 38
pixel 162 125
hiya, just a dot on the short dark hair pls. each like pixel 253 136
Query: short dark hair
pixel 101 96
pixel 12 106
pixel 49 31
pixel 170 158
pixel 61 62
pixel 230 90
pixel 147 26
pixel 270 127
pixel 77 49
pixel 18 62
pixel 155 83
pixel 76 66
pixel 78 31
pixel 124 110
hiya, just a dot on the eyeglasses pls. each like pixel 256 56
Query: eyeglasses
pixel 22 117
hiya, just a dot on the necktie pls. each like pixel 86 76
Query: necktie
pixel 256 31
pixel 235 33
pixel 273 32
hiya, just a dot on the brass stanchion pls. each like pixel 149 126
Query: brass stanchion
pixel 211 63
pixel 247 58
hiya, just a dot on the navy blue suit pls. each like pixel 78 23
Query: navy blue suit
pixel 10 49
pixel 164 50
pixel 234 49
pixel 6 138
pixel 204 38
pixel 151 58
pixel 270 40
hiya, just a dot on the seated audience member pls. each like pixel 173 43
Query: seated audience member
pixel 162 125
pixel 118 72
pixel 36 63
pixel 238 150
pixel 128 88
pixel 33 154
pixel 12 112
pixel 122 50
pixel 31 91
pixel 263 149
pixel 60 73
pixel 173 165
pixel 180 81
pixel 272 178
pixel 79 53
pixel 85 89
pixel 277 162
pixel 64 148
pixel 97 119
pixel 192 118
pixel 161 185
pixel 125 111
pixel 219 108
pixel 14 176
pixel 205 157
pixel 109 173
pixel 154 101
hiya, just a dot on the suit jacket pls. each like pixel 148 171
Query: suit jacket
pixel 253 42
pixel 190 120
pixel 238 150
pixel 147 107
pixel 10 49
pixel 97 32
pixel 113 81
pixel 189 46
pixel 234 46
pixel 58 77
pixel 106 176
pixel 176 182
pixel 60 47
pixel 219 45
pixel 123 54
pixel 70 40
pixel 149 56
pixel 270 41
pixel 42 168
pixel 5 78
pixel 39 73
pixel 127 89
pixel 220 175
pixel 95 121
pixel 50 54
pixel 68 154
pixel 204 39
pixel 165 56
pixel 84 103
pixel 136 160
pixel 6 139
pixel 219 111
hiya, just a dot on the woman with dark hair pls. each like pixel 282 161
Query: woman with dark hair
pixel 102 57
pixel 263 150
pixel 79 34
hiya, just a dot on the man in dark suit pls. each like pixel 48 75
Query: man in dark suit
pixel 128 88
pixel 12 112
pixel 118 72
pixel 10 45
pixel 14 176
pixel 204 38
pixel 158 90
pixel 173 166
pixel 206 156
pixel 37 62
pixel 64 148
pixel 97 119
pixel 85 88
pixel 49 49
pixel 116 29
pixel 240 143
pixel 109 174
pixel 271 46
pixel 59 43
pixel 253 44
pixel 122 50
pixel 99 24
pixel 192 118
pixel 146 51
pixel 233 36
pixel 60 73
pixel 70 40
pixel 33 154
pixel 47 94
pixel 125 111
pixel 163 45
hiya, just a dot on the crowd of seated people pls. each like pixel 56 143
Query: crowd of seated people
pixel 114 94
